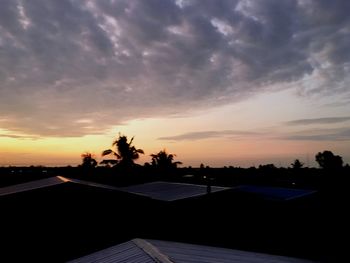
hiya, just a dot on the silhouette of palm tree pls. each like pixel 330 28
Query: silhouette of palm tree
pixel 125 154
pixel 88 160
pixel 164 161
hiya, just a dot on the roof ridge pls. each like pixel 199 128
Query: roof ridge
pixel 32 185
pixel 90 183
pixel 152 251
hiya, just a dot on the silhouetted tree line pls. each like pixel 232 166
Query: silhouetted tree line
pixel 163 166
pixel 124 155
pixel 120 168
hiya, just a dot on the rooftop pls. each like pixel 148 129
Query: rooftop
pixel 148 251
pixel 47 182
pixel 274 193
pixel 169 191
pixel 164 191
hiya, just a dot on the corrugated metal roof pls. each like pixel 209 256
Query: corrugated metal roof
pixel 189 253
pixel 125 252
pixel 167 191
pixel 164 191
pixel 139 250
pixel 51 181
pixel 274 193
pixel 88 183
pixel 32 185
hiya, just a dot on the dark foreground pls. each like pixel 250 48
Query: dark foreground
pixel 63 222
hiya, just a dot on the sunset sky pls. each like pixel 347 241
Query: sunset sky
pixel 226 82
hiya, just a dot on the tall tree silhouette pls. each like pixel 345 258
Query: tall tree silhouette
pixel 328 161
pixel 164 160
pixel 297 164
pixel 125 153
pixel 88 164
pixel 88 161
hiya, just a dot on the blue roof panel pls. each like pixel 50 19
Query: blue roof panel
pixel 274 193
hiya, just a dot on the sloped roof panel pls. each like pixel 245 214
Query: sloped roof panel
pixel 189 253
pixel 47 182
pixel 148 251
pixel 169 191
pixel 274 193
pixel 37 184
pixel 125 252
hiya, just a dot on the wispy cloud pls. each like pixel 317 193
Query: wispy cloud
pixel 341 134
pixel 113 61
pixel 334 134
pixel 201 135
pixel 15 136
pixel 328 120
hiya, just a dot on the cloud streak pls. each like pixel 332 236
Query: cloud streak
pixel 329 120
pixel 342 134
pixel 112 61
pixel 15 136
pixel 335 134
pixel 201 135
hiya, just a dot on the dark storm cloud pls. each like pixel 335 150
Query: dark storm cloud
pixel 70 68
pixel 192 136
pixel 329 120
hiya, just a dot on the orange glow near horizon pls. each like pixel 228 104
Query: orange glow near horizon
pixel 261 141
pixel 214 152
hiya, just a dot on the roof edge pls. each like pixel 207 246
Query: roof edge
pixel 32 185
pixel 151 250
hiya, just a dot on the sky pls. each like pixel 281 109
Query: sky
pixel 227 82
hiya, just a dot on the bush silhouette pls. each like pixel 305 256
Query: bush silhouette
pixel 328 161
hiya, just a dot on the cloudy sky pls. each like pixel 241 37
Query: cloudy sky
pixel 227 82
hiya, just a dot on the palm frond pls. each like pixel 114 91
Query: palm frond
pixel 140 151
pixel 107 152
pixel 109 161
